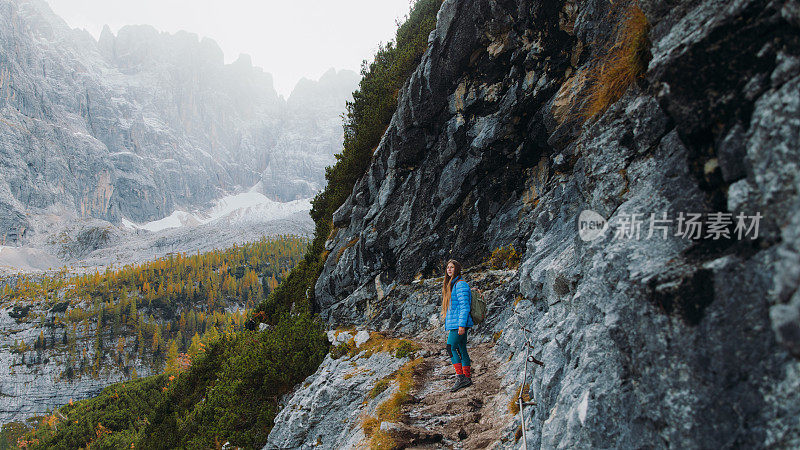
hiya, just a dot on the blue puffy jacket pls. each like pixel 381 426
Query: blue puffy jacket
pixel 458 314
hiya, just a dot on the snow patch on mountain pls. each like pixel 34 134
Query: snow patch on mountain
pixel 241 207
pixel 174 220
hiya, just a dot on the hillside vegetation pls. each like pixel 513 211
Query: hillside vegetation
pixel 169 305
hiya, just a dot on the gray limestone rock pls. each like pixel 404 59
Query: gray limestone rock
pixel 35 381
pixel 326 410
pixel 649 336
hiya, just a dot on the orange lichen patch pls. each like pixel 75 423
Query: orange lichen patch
pixel 370 424
pixel 356 371
pixel 624 174
pixel 569 95
pixel 513 404
pixel 496 336
pixel 379 387
pixel 332 233
pixel 380 343
pixel 529 196
pixel 391 409
pixel 626 61
pixel 504 258
pixel 349 244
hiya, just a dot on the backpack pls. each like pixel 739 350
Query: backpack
pixel 477 306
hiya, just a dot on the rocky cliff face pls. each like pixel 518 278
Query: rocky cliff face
pixel 650 333
pixel 139 124
pixel 35 380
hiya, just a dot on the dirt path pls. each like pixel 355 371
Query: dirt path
pixel 473 417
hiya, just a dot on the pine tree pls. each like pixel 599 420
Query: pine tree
pixel 194 347
pixel 120 348
pixel 134 313
pixel 172 357
pixel 156 339
pixel 139 342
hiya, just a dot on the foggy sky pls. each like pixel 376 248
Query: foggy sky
pixel 289 39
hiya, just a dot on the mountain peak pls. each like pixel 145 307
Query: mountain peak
pixel 106 31
pixel 105 43
pixel 330 73
pixel 244 60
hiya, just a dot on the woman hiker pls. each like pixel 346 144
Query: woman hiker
pixel 457 321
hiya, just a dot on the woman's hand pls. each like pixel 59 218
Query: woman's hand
pixel 461 330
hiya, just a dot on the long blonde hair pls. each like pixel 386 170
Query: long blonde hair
pixel 447 282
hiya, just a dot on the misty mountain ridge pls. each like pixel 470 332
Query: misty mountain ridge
pixel 138 125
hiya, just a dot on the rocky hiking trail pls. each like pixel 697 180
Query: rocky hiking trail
pixel 473 417
pixel 386 384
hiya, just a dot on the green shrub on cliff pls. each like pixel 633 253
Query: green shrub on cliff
pixel 231 393
pixel 228 394
pixel 368 116
pixel 113 419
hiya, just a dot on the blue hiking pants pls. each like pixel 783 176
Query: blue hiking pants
pixel 457 347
